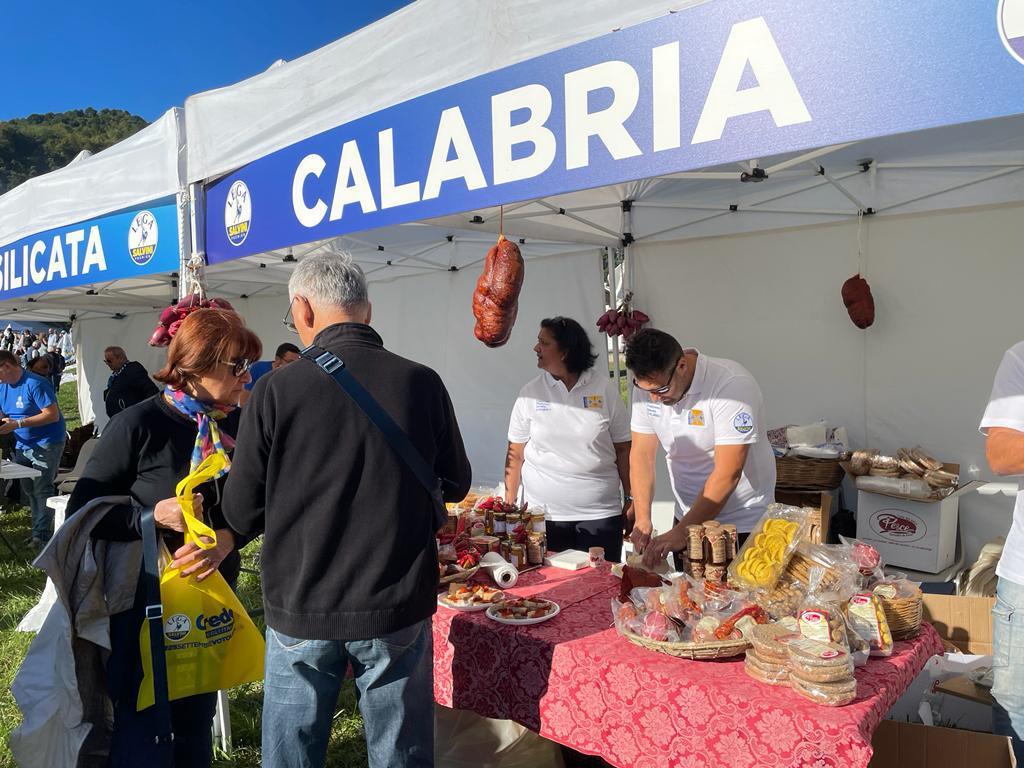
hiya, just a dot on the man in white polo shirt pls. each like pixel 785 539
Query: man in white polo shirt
pixel 708 415
pixel 1003 426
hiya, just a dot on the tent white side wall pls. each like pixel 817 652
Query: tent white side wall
pixel 427 319
pixel 946 288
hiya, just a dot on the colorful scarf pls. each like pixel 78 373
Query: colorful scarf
pixel 209 439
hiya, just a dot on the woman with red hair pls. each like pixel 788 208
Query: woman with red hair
pixel 143 453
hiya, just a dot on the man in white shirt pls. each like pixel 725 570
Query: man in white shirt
pixel 707 413
pixel 1003 425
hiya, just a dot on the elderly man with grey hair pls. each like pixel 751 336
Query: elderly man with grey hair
pixel 349 562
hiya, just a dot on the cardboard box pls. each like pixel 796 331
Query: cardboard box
pixel 912 745
pixel 919 535
pixel 965 622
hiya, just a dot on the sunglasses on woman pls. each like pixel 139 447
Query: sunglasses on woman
pixel 238 367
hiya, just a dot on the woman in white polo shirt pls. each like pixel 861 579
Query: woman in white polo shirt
pixel 569 443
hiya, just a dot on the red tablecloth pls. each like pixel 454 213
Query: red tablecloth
pixel 574 680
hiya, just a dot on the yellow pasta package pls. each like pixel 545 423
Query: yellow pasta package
pixel 766 552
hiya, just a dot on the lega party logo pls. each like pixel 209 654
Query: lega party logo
pixel 177 626
pixel 237 213
pixel 142 238
pixel 743 422
pixel 1010 19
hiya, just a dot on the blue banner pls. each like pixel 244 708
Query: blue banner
pixel 130 243
pixel 720 82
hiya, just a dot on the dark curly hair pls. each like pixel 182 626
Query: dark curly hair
pixel 651 352
pixel 573 340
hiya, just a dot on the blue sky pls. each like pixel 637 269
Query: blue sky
pixel 147 57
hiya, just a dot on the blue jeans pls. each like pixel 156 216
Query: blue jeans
pixel 45 458
pixel 394 677
pixel 1008 664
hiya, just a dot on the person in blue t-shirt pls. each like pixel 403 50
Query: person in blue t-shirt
pixel 30 411
pixel 286 353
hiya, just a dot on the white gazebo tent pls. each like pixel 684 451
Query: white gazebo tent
pixel 919 192
pixel 105 190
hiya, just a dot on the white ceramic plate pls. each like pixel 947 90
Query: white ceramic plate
pixel 464 607
pixel 492 614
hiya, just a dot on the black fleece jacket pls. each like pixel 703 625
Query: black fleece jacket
pixel 129 386
pixel 143 453
pixel 348 551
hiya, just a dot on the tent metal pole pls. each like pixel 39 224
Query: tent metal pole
pixel 978 180
pixel 614 302
pixel 580 219
pixel 951 164
pixel 806 156
pixel 843 190
pixel 193 241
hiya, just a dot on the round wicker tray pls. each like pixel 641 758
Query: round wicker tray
pixel 465 575
pixel 904 615
pixel 697 651
pixel 796 472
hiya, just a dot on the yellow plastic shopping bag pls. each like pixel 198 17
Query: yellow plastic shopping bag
pixel 210 643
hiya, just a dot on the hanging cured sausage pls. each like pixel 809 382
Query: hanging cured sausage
pixel 496 299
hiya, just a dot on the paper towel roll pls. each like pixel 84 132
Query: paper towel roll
pixel 502 571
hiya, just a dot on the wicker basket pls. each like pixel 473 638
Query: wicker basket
pixel 465 575
pixel 696 651
pixel 795 472
pixel 904 615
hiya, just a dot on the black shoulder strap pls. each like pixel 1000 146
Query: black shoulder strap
pixel 394 434
pixel 155 617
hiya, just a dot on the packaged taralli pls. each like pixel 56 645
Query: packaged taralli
pixel 765 553
pixel 867 618
pixel 820 616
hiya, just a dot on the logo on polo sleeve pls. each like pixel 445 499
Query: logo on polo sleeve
pixel 654 410
pixel 543 405
pixel 743 422
pixel 1010 20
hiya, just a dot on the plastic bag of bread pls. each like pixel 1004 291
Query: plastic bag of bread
pixel 766 552
pixel 867 618
pixel 820 616
pixel 821 672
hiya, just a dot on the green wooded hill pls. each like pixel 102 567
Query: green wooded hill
pixel 30 146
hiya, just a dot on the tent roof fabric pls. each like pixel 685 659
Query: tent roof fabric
pixel 943 168
pixel 147 166
pixel 421 48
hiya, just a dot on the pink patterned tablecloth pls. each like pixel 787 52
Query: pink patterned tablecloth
pixel 574 680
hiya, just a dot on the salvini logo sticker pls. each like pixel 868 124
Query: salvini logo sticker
pixel 143 235
pixel 237 213
pixel 1010 20
pixel 177 626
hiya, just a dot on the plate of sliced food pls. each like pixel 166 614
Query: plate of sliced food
pixel 470 597
pixel 523 611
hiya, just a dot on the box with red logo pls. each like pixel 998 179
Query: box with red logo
pixel 908 533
